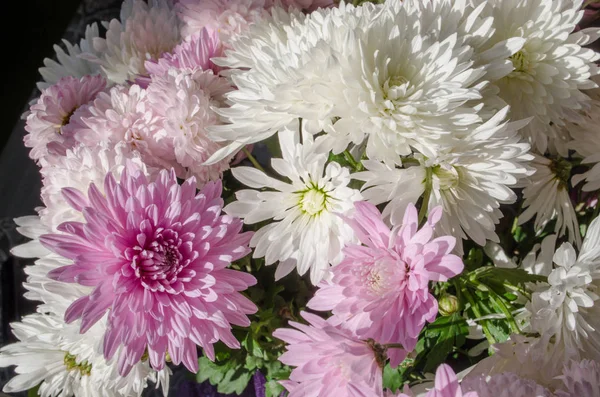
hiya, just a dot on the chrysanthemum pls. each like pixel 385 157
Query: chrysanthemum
pixel 446 385
pixel 469 180
pixel 181 103
pixel 380 290
pixel 283 68
pixel 506 384
pixel 547 198
pixel 550 68
pixel 566 311
pixel 224 17
pixel 49 131
pixel 120 115
pixel 77 169
pixel 64 363
pixel 580 379
pixel 191 55
pixel 156 255
pixel 586 144
pixel 306 232
pixel 145 31
pixel 70 62
pixel 329 361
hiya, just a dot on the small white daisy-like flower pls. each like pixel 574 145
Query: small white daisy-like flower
pixel 547 198
pixel 145 31
pixel 580 379
pixel 550 68
pixel 307 232
pixel 469 181
pixel 70 62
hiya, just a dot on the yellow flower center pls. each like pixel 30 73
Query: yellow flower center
pixel 71 363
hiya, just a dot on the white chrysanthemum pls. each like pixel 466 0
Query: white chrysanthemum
pixel 580 379
pixel 525 356
pixel 145 31
pixel 550 68
pixel 80 167
pixel 469 181
pixel 70 62
pixel 182 104
pixel 586 142
pixel 283 68
pixel 547 198
pixel 506 384
pixel 566 311
pixel 68 363
pixel 307 231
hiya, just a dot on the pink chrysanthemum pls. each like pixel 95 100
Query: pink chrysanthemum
pixel 156 254
pixel 329 361
pixel 580 379
pixel 446 385
pixel 192 55
pixel 48 124
pixel 307 5
pixel 181 102
pixel 506 384
pixel 380 290
pixel 225 17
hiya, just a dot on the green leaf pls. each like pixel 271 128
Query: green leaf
pixel 440 338
pixel 273 389
pixel 392 378
pixel 234 381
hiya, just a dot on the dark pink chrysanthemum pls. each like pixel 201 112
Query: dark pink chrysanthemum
pixel 156 254
pixel 329 361
pixel 48 124
pixel 380 290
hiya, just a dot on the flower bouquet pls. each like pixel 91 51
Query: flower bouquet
pixel 310 199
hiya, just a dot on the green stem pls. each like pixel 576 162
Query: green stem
pixel 425 204
pixel 477 313
pixel 355 164
pixel 393 346
pixel 504 309
pixel 253 160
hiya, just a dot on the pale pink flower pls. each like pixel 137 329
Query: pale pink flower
pixel 329 361
pixel 182 103
pixel 506 384
pixel 380 290
pixel 446 384
pixel 224 17
pixel 192 55
pixel 120 115
pixel 156 255
pixel 580 379
pixel 48 124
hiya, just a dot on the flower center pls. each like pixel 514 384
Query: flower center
pixel 561 168
pixel 160 262
pixel 445 178
pixel 385 275
pixel 395 87
pixel 520 62
pixel 65 120
pixel 313 201
pixel 71 364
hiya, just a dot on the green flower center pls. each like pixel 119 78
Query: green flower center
pixel 71 363
pixel 520 61
pixel 561 168
pixel 446 178
pixel 313 201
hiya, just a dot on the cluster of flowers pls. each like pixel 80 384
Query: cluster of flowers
pixel 400 135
